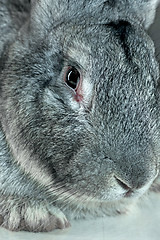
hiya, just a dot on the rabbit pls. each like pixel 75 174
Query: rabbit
pixel 79 110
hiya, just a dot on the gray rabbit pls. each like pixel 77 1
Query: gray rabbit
pixel 79 110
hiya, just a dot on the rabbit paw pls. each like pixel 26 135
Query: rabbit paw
pixel 29 216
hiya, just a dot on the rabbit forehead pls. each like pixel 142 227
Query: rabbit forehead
pixel 94 48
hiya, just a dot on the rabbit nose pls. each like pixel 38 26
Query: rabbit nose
pixel 122 184
pixel 132 184
pixel 128 190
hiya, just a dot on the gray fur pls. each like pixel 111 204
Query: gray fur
pixel 65 158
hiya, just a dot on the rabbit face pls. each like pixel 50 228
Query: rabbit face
pixel 87 110
pixel 119 155
pixel 81 112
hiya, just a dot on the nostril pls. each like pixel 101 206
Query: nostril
pixel 122 184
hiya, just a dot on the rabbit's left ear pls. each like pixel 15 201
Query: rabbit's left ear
pixel 40 18
pixel 47 14
pixel 146 10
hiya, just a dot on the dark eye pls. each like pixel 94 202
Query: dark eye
pixel 72 78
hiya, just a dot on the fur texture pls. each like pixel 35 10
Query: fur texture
pixel 68 153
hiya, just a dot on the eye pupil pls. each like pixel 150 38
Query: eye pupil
pixel 72 78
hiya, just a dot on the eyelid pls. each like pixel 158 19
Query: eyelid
pixel 72 62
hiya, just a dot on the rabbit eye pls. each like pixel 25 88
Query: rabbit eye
pixel 72 78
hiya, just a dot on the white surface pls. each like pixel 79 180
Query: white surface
pixel 142 223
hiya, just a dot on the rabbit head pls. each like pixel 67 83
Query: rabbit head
pixel 80 100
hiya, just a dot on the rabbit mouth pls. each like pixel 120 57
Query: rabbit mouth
pixel 87 206
pixel 82 197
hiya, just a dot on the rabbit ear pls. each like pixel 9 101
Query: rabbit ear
pixel 48 14
pixel 40 17
pixel 146 10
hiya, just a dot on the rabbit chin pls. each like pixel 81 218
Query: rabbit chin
pixel 82 206
pixel 97 208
